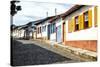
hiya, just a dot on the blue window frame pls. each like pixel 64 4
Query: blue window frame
pixel 52 28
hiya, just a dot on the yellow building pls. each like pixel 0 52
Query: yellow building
pixel 81 22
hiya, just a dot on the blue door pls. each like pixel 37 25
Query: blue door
pixel 58 34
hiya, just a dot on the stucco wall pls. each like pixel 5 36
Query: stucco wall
pixel 45 33
pixel 39 34
pixel 86 34
pixel 53 37
pixel 58 23
pixel 22 33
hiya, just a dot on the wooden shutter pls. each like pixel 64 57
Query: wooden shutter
pixel 90 18
pixel 95 16
pixel 81 21
pixel 69 26
pixel 73 25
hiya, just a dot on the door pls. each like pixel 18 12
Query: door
pixel 58 33
pixel 48 32
pixel 64 32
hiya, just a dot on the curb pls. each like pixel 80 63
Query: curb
pixel 87 55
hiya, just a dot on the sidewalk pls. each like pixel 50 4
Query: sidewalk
pixel 76 54
pixel 86 54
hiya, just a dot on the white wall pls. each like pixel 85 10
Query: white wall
pixel 53 37
pixel 22 33
pixel 16 33
pixel 58 23
pixel 86 34
pixel 45 33
pixel 39 34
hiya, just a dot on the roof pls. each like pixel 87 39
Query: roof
pixel 42 20
pixel 71 10
pixel 68 12
pixel 54 18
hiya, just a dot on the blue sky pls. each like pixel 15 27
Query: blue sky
pixel 36 9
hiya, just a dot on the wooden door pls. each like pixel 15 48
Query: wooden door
pixel 48 32
pixel 64 32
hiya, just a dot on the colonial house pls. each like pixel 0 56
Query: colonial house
pixel 80 27
pixel 42 28
pixel 21 32
pixel 58 23
pixel 18 32
pixel 77 27
pixel 14 32
pixel 29 29
pixel 38 29
pixel 55 29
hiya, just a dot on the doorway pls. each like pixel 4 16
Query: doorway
pixel 64 32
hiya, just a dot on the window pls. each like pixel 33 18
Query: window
pixel 45 28
pixel 76 24
pixel 86 23
pixel 53 27
pixel 40 29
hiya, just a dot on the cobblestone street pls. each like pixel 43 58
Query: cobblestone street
pixel 30 54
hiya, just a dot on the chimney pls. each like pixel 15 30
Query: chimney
pixel 55 11
pixel 46 14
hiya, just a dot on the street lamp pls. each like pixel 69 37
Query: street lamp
pixel 13 10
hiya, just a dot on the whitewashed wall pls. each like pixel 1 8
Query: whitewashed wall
pixel 22 33
pixel 15 34
pixel 86 34
pixel 53 37
pixel 45 33
pixel 39 34
pixel 58 23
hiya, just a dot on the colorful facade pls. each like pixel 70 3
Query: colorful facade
pixel 81 27
pixel 42 28
pixel 77 27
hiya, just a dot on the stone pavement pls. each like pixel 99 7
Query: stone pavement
pixel 25 52
pixel 67 51
pixel 89 55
